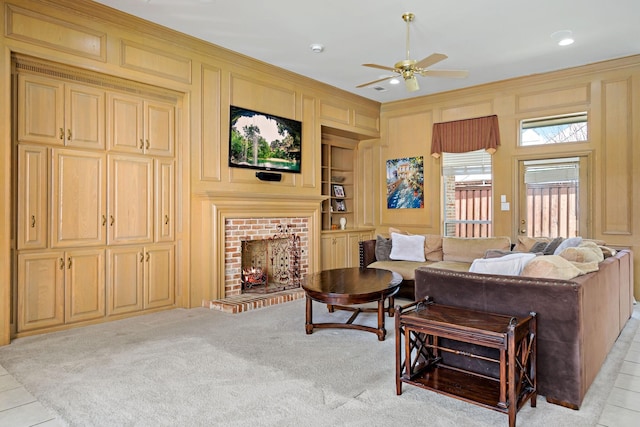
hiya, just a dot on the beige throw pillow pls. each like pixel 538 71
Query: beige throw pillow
pixel 586 252
pixel 551 267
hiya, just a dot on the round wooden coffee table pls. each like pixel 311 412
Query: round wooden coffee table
pixel 341 288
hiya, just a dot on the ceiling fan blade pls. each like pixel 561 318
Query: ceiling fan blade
pixel 434 58
pixel 375 81
pixel 382 67
pixel 456 74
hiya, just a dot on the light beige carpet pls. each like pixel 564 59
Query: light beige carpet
pixel 207 368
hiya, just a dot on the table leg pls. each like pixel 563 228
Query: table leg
pixel 308 325
pixel 381 331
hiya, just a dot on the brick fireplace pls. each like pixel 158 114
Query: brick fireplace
pixel 239 231
pixel 226 220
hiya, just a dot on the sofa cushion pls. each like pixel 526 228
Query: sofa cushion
pixel 451 265
pixel 551 267
pixel 586 252
pixel 404 268
pixel 508 265
pixel 433 247
pixel 383 248
pixel 567 243
pixel 407 248
pixel 525 243
pixel 468 249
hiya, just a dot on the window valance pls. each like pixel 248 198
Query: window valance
pixel 461 136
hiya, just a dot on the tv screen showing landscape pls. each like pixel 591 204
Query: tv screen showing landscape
pixel 264 141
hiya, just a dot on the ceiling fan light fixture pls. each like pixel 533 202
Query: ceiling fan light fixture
pixel 411 83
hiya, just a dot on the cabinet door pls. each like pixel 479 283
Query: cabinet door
pixel 84 117
pixel 124 123
pixel 334 251
pixel 159 281
pixel 125 266
pixel 84 285
pixel 40 290
pixel 130 199
pixel 32 197
pixel 159 128
pixel 40 110
pixel 164 200
pixel 78 213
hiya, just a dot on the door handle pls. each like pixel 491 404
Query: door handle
pixel 68 134
pixel 69 262
pixel 141 257
pixel 112 220
pixel 166 220
pixel 147 257
pixel 33 221
pixel 141 144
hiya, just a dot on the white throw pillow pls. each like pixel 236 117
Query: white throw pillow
pixel 508 265
pixel 407 248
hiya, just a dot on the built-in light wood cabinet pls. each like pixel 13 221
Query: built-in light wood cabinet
pixel 165 205
pixel 140 277
pixel 334 250
pixel 78 214
pixel 95 201
pixel 130 216
pixel 125 267
pixel 140 126
pixel 84 285
pixel 58 287
pixel 40 289
pixel 33 164
pixel 340 249
pixel 59 113
pixel 159 276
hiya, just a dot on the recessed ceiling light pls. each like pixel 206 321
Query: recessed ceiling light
pixel 316 48
pixel 563 37
pixel 394 81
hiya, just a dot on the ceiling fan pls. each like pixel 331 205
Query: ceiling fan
pixel 409 68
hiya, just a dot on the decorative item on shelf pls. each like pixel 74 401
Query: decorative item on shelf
pixel 336 178
pixel 340 206
pixel 334 226
pixel 343 223
pixel 338 190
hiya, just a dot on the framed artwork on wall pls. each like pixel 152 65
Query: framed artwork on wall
pixel 405 183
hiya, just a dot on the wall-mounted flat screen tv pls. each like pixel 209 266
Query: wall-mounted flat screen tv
pixel 264 141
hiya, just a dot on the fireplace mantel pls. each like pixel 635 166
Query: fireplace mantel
pixel 216 208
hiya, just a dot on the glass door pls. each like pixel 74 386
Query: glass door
pixel 553 197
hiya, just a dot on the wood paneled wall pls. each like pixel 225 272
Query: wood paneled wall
pixel 609 92
pixel 94 38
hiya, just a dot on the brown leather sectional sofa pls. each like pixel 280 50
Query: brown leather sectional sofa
pixel 578 320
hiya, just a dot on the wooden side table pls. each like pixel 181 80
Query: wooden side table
pixel 426 333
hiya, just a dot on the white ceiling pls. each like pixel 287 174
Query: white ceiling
pixel 492 39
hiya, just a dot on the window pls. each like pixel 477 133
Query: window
pixel 554 130
pixel 467 194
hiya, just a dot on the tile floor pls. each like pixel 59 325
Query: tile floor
pixel 19 408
